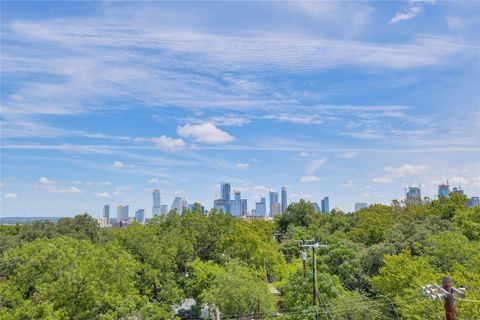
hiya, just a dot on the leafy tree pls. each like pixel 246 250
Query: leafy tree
pixel 235 290
pixel 298 214
pixel 468 221
pixel 64 278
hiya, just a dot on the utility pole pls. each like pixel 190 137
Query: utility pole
pixel 446 292
pixel 313 245
pixel 258 308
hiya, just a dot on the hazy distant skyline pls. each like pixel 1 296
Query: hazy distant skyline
pixel 102 102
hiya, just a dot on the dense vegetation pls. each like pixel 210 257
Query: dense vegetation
pixel 374 264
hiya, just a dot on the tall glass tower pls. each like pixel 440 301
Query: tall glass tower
pixel 284 199
pixel 274 205
pixel 156 207
pixel 106 214
pixel 225 191
pixel 444 191
pixel 325 205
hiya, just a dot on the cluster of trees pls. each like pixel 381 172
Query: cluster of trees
pixel 372 268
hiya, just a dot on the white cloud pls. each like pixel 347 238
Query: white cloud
pixel 307 179
pixel 348 154
pixel 70 189
pixel 206 133
pixel 76 182
pixel 304 154
pixel 349 184
pixel 415 7
pixel 242 166
pixel 118 164
pixel 155 180
pixel 394 173
pixel 402 16
pixel 168 143
pixel 44 180
pixel 121 190
pixel 11 195
pixel 315 165
pixel 104 183
pixel 102 194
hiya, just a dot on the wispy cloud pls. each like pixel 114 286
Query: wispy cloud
pixel 315 165
pixel 308 179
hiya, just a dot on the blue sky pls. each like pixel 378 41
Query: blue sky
pixel 104 101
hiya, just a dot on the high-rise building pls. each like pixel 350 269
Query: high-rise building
pixel 244 207
pixel 223 203
pixel 457 190
pixel 474 201
pixel 125 210
pixel 443 191
pixel 273 203
pixel 284 199
pixel 178 204
pixel 225 191
pixel 156 207
pixel 220 205
pixel 140 216
pixel 261 208
pixel 119 213
pixel 325 205
pixel 164 209
pixel 106 214
pixel 360 205
pixel 122 214
pixel 236 204
pixel 413 196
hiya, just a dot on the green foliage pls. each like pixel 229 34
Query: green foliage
pixel 235 289
pixel 373 267
pixel 67 279
pixel 298 214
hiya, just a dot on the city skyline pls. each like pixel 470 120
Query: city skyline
pixel 103 102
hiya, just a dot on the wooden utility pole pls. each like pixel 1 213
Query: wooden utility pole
pixel 449 300
pixel 312 246
pixel 258 308
pixel 446 292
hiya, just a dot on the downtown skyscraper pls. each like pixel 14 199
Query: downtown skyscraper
pixel 156 207
pixel 275 207
pixel 284 199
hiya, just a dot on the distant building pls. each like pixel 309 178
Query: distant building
pixel 156 207
pixel 164 209
pixel 325 205
pixel 276 209
pixel 122 214
pixel 106 214
pixel 273 204
pixel 316 207
pixel 140 216
pixel 178 204
pixel 238 206
pixel 260 208
pixel 457 190
pixel 225 191
pixel 474 201
pixel 284 199
pixel 220 205
pixel 360 205
pixel 443 191
pixel 413 196
pixel 223 203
